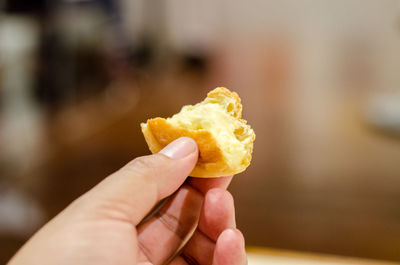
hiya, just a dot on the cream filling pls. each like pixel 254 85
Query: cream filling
pixel 233 136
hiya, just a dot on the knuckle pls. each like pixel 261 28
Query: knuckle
pixel 217 195
pixel 151 166
pixel 140 163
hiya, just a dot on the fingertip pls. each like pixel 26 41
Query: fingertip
pixel 232 237
pixel 230 248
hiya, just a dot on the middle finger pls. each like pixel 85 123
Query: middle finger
pixel 162 235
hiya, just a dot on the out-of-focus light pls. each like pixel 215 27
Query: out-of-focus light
pixel 383 111
pixel 19 214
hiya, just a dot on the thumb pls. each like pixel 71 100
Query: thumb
pixel 131 192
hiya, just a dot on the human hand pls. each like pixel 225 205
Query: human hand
pixel 106 226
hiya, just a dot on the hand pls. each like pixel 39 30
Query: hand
pixel 106 226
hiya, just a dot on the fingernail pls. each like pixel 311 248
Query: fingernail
pixel 180 148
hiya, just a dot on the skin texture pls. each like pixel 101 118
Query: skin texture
pixel 106 226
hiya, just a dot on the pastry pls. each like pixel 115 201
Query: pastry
pixel 225 141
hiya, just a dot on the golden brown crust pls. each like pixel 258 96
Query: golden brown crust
pixel 159 133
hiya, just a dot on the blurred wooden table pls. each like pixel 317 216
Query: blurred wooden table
pixel 262 256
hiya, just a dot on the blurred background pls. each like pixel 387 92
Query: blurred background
pixel 319 81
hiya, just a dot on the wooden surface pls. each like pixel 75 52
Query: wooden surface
pixel 262 256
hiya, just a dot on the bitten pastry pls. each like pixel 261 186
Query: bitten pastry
pixel 225 141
